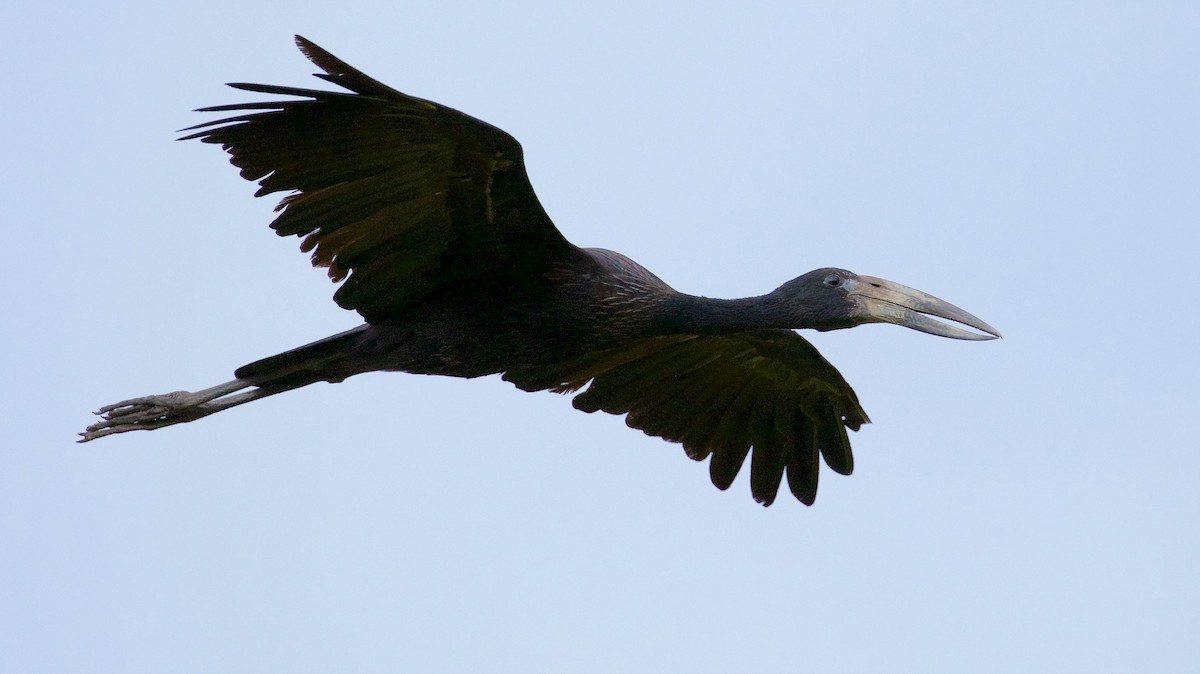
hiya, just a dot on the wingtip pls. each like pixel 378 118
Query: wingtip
pixel 310 49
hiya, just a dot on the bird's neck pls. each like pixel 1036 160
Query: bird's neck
pixel 689 314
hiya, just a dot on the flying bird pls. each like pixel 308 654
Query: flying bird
pixel 426 217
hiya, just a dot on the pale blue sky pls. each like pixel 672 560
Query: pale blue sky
pixel 1021 505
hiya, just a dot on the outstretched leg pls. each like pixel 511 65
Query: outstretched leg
pixel 151 412
pixel 331 359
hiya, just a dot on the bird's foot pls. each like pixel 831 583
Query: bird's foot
pixel 150 412
pixel 145 413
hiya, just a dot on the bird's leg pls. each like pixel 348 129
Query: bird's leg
pixel 151 412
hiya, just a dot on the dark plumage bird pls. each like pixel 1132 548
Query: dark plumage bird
pixel 427 217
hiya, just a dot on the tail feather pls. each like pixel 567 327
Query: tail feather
pixel 318 361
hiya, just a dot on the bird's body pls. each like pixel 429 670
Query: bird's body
pixel 474 330
pixel 599 303
pixel 428 218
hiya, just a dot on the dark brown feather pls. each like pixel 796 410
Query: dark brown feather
pixel 398 196
pixel 721 395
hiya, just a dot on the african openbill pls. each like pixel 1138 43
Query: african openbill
pixel 428 217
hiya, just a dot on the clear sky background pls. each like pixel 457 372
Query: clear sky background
pixel 1022 505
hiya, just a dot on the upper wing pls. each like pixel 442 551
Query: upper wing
pixel 720 395
pixel 401 195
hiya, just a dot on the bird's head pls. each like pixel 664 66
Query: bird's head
pixel 832 299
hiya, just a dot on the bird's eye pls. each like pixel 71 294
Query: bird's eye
pixel 833 280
